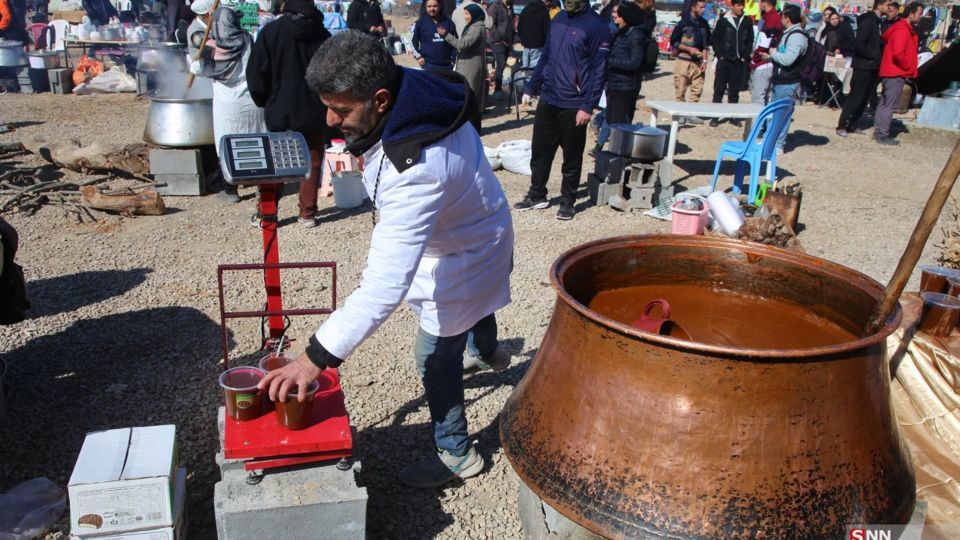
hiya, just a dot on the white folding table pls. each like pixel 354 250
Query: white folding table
pixel 678 109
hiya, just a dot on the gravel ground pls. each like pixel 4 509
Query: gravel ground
pixel 124 330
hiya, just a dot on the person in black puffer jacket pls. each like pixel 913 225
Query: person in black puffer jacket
pixel 275 77
pixel 625 65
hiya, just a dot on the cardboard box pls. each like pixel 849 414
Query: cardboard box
pixel 124 480
pixel 177 532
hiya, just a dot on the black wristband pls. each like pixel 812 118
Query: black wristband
pixel 321 357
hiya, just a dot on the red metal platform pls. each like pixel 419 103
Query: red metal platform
pixel 269 444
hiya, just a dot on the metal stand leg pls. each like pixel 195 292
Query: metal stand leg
pixel 271 255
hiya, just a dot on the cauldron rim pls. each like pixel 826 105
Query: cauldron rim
pixel 855 278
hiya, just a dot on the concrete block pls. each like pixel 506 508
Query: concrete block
pixel 61 80
pixel 181 185
pixel 175 161
pixel 304 502
pixel 23 80
pixel 940 112
pixel 600 192
pixel 227 465
pixel 642 175
pixel 609 167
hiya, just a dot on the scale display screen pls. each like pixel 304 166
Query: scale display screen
pixel 264 158
pixel 258 164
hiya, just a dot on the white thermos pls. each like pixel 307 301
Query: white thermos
pixel 726 215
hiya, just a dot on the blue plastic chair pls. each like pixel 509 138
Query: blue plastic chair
pixel 774 118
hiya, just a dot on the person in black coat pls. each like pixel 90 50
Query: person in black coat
pixel 275 77
pixel 732 42
pixel 868 48
pixel 624 66
pixel 365 16
pixel 533 26
pixel 837 36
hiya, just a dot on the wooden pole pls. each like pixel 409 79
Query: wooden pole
pixel 206 35
pixel 921 233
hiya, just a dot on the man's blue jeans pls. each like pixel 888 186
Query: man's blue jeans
pixel 530 58
pixel 784 91
pixel 440 362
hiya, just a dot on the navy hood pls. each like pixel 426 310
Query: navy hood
pixel 428 107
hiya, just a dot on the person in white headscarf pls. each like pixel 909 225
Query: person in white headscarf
pixel 224 60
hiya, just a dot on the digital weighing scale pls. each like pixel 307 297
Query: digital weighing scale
pixel 268 160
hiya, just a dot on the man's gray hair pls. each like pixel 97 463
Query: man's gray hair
pixel 351 60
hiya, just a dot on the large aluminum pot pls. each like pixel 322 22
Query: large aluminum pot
pixel 632 434
pixel 645 143
pixel 110 32
pixel 11 54
pixel 179 122
pixel 168 56
pixel 44 59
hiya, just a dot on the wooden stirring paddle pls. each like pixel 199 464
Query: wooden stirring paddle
pixel 921 233
pixel 206 35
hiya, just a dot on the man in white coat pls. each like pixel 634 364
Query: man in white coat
pixel 443 240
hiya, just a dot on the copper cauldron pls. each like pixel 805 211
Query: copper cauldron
pixel 632 434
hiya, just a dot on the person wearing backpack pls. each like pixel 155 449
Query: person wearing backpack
pixel 899 63
pixel 787 60
pixel 732 44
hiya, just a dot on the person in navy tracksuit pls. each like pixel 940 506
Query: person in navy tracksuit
pixel 569 79
pixel 429 47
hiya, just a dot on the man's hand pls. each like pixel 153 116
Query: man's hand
pixel 301 372
pixel 583 118
pixel 441 31
pixel 421 61
pixel 196 67
pixel 526 99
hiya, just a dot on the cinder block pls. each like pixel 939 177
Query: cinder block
pixel 642 175
pixel 175 161
pixel 609 166
pixel 61 80
pixel 306 502
pixel 23 79
pixel 180 185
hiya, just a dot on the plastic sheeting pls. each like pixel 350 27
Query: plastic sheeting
pixel 926 399
pixel 29 508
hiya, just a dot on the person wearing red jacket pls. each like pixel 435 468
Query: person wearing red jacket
pixel 898 63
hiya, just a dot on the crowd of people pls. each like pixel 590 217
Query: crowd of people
pixel 443 234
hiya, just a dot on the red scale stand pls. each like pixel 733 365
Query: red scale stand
pixel 263 442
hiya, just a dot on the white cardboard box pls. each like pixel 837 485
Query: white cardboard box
pixel 176 532
pixel 123 481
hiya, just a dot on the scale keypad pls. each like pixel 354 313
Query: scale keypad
pixel 259 158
